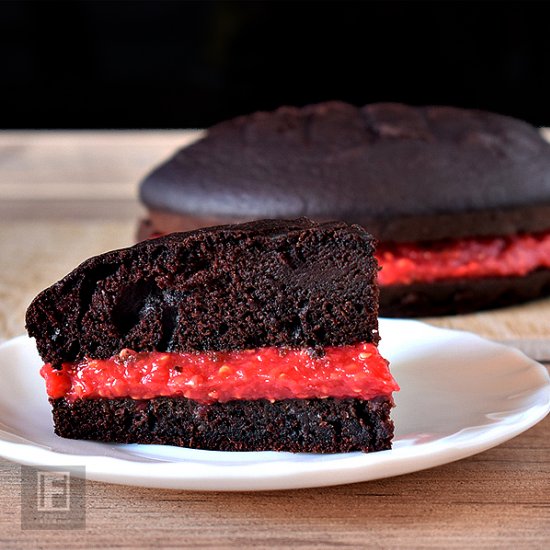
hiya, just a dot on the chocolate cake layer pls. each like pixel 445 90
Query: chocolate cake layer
pixel 295 425
pixel 461 295
pixel 269 283
pixel 406 173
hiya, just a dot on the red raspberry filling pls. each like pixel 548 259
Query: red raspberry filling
pixel 207 377
pixel 516 255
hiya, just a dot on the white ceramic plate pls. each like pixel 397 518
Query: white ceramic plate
pixel 460 395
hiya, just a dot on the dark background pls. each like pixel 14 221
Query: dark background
pixel 164 64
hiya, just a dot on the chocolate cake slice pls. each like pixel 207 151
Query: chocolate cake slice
pixel 260 336
pixel 458 198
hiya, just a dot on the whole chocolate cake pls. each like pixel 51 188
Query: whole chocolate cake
pixel 260 336
pixel 459 199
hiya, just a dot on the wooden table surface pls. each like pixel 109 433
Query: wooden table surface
pixel 67 195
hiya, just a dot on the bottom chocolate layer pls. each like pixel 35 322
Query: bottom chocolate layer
pixel 295 425
pixel 462 295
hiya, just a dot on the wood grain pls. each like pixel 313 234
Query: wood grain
pixel 54 214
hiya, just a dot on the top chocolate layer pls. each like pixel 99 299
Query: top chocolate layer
pixel 269 283
pixel 405 173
